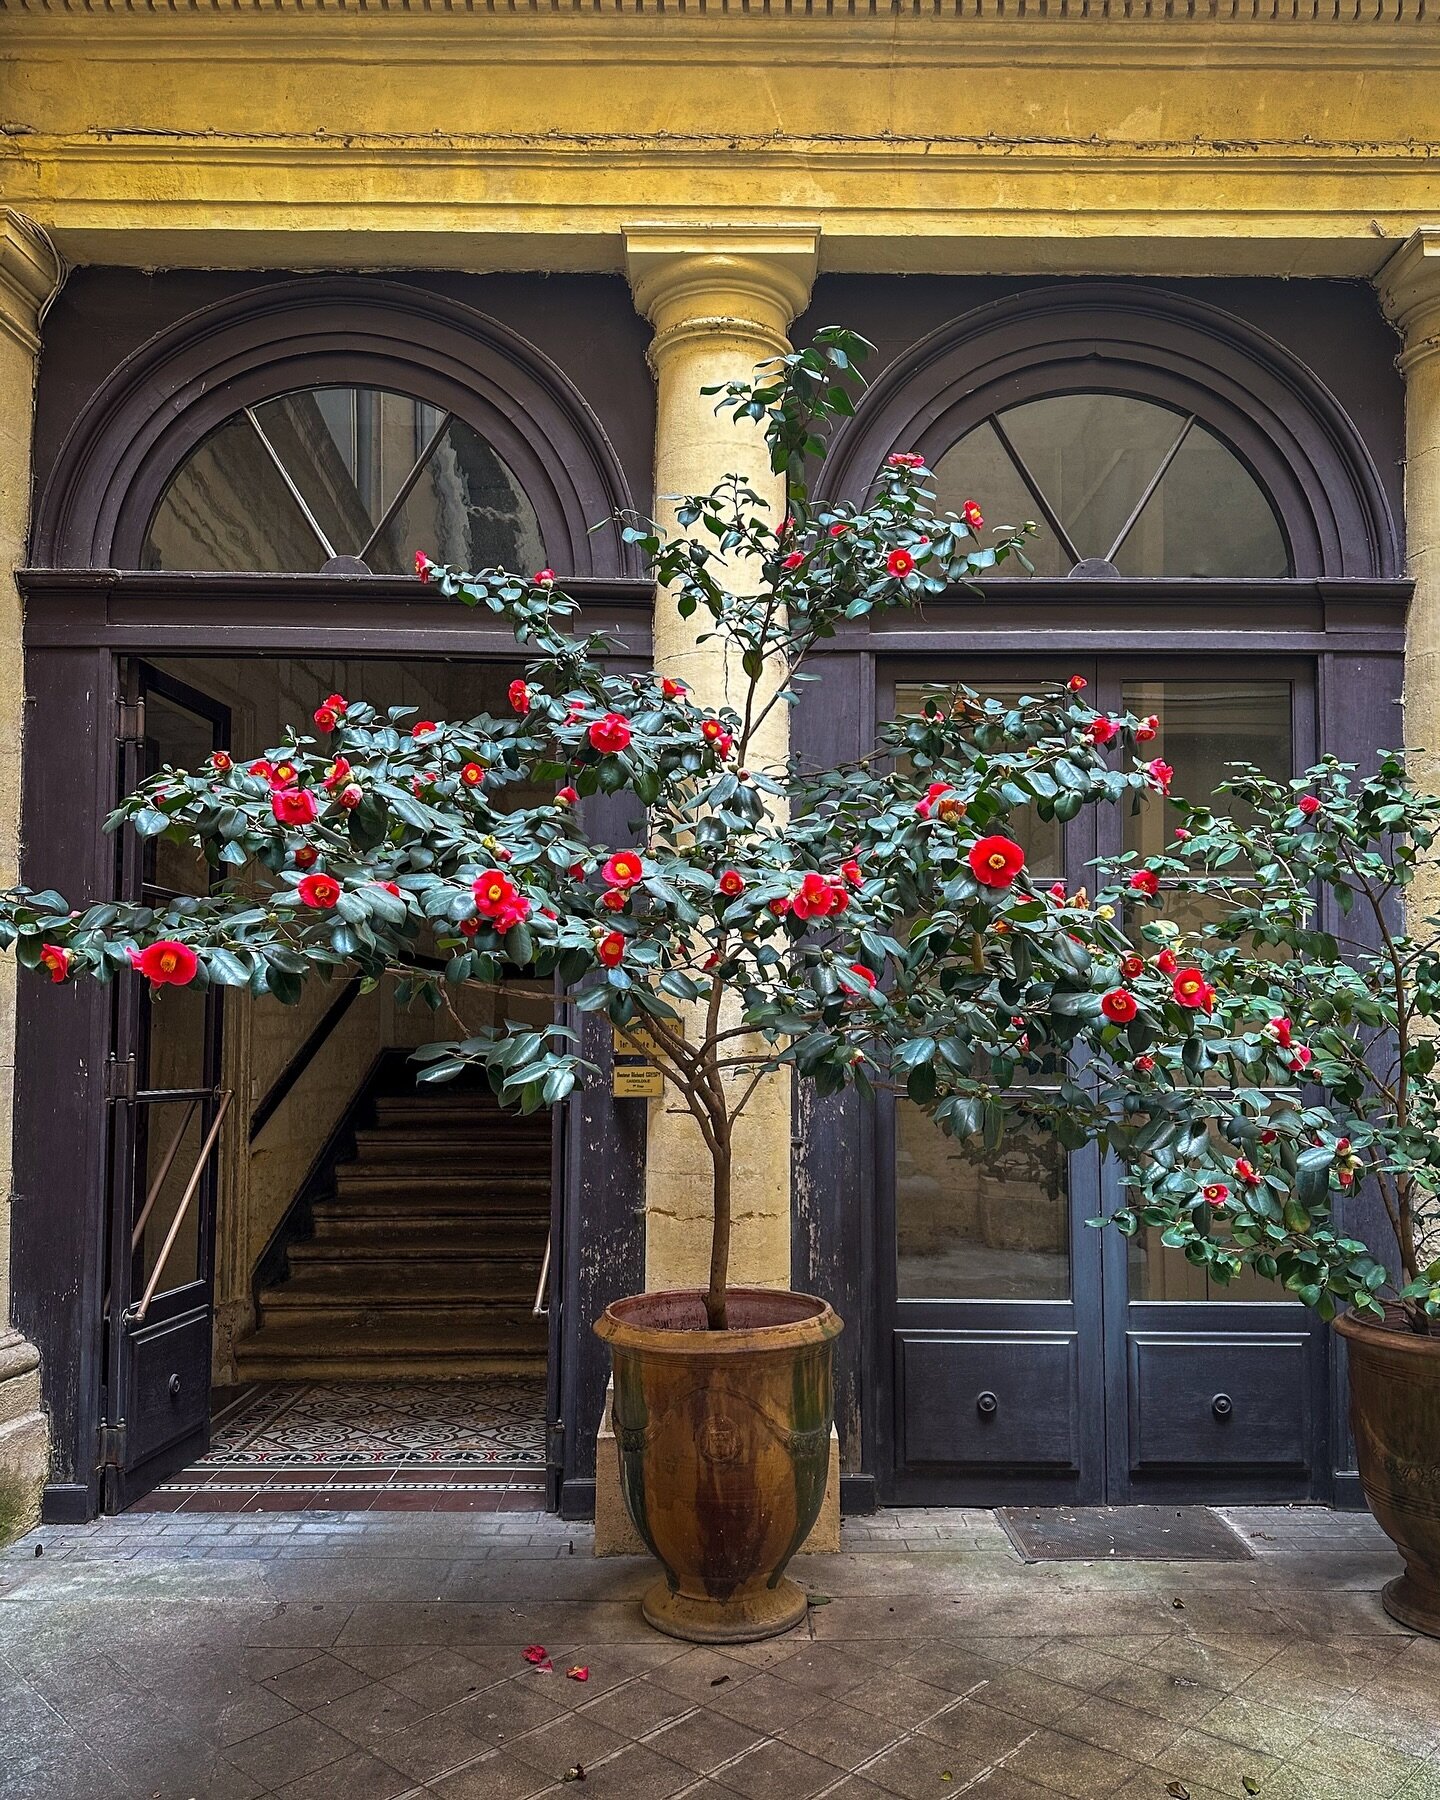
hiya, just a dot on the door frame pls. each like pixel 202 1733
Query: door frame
pixel 79 627
pixel 1107 1332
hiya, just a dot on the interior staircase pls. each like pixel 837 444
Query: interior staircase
pixel 426 1249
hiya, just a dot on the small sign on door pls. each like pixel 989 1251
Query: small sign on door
pixel 634 1075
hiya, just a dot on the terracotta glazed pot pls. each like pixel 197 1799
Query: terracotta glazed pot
pixel 1395 1416
pixel 724 1443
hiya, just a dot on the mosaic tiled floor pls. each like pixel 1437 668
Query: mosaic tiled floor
pixel 471 1445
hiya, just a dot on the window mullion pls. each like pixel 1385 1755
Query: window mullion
pixel 1052 518
pixel 403 492
pixel 295 493
pixel 1150 487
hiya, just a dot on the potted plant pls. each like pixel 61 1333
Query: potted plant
pixel 1270 1080
pixel 862 924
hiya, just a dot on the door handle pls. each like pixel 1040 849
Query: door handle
pixel 986 1405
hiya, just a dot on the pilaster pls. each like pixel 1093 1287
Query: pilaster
pixel 30 274
pixel 721 299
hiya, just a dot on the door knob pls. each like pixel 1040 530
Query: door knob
pixel 174 1387
pixel 1222 1406
pixel 986 1405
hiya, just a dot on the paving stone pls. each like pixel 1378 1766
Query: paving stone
pixel 500 1776
pixel 702 1741
pixel 846 1735
pixel 358 1777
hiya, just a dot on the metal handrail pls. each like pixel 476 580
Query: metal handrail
pixel 159 1181
pixel 541 1309
pixel 137 1313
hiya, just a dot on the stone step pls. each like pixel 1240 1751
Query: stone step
pixel 425 1145
pixel 393 1346
pixel 460 1108
pixel 353 1179
pixel 416 1283
pixel 373 1238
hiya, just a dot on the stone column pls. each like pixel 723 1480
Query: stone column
pixel 721 299
pixel 29 277
pixel 1409 287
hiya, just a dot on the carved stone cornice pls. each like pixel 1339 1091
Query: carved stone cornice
pixel 1283 16
pixel 30 274
pixel 739 281
pixel 1409 286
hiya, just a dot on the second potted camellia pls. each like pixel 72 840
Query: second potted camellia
pixel 865 924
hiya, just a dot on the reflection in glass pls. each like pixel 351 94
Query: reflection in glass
pixel 1159 1273
pixel 976 1226
pixel 1207 517
pixel 170 1136
pixel 1038 838
pixel 229 508
pixel 1140 485
pixel 977 468
pixel 1204 727
pixel 342 472
pixel 465 507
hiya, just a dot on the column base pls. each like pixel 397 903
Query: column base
pixel 615 1534
pixel 24 1436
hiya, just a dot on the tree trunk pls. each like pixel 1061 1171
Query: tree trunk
pixel 720 1235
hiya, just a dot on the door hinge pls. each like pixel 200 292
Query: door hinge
pixel 120 1079
pixel 112 1446
pixel 555 1445
pixel 130 721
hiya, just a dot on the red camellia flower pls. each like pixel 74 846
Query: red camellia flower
pixel 423 728
pixel 493 893
pixel 610 734
pixel 283 775
pixel 779 907
pixel 468 927
pixel 1119 1006
pixel 852 872
pixel 995 861
pixel 1147 729
pixel 1246 1172
pixel 1101 731
pixel 1216 1193
pixel 351 795
pixel 839 528
pixel 325 718
pixel 472 774
pixel 815 899
pixel 1191 989
pixel 422 565
pixel 320 891
pixel 793 560
pixel 336 703
pixel 167 962
pixel 1077 684
pixel 536 1654
pixel 926 806
pixel 1308 805
pixel 972 516
pixel 1279 1031
pixel 519 697
pixel 336 773
pixel 56 960
pixel 611 950
pixel 306 857
pixel 390 887
pixel 1145 881
pixel 294 806
pixel 899 563
pixel 1131 966
pixel 220 762
pixel 567 796
pixel 615 899
pixel 623 869
pixel 731 883
pixel 544 578
pixel 904 459
pixel 1145 1064
pixel 1161 774
pixel 670 688
pixel 261 770
pixel 861 973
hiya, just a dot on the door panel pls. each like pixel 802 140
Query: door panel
pixel 166 1119
pixel 1030 1357
pixel 991 1400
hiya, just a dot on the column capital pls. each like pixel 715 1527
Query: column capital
pixel 1409 288
pixel 30 274
pixel 746 283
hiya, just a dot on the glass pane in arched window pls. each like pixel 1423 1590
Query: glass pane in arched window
pixel 465 507
pixel 296 481
pixel 1121 485
pixel 1207 516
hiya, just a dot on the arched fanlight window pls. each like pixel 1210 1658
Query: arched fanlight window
pixel 342 478
pixel 1119 486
